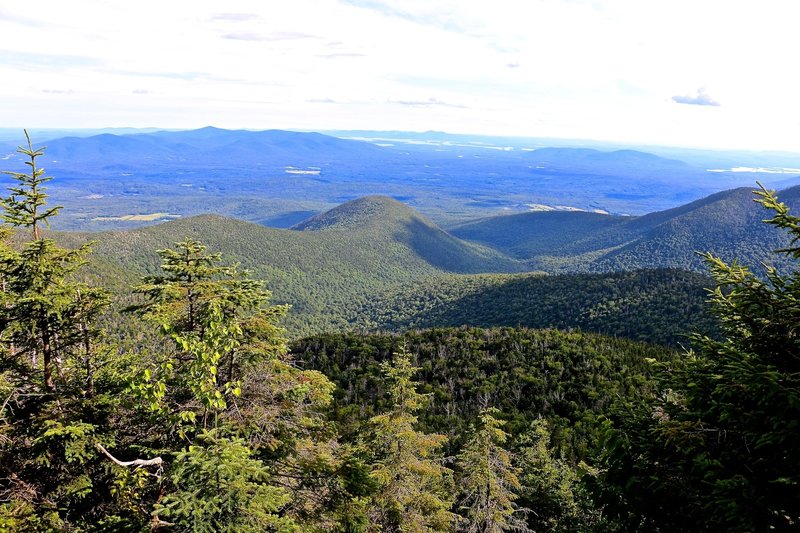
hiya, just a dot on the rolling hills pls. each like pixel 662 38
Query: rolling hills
pixel 728 223
pixel 122 180
pixel 324 274
pixel 375 264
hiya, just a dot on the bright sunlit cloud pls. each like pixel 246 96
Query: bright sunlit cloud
pixel 713 73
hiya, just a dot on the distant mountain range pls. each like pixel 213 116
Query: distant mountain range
pixel 206 147
pixel 377 264
pixel 274 177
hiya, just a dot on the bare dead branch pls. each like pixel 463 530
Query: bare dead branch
pixel 156 461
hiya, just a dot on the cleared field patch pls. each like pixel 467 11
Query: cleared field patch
pixel 148 217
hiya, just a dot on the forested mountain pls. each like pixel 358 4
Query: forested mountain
pixel 375 264
pixel 325 275
pixel 657 306
pixel 728 224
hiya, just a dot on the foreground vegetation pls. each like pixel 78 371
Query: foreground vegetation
pixel 195 414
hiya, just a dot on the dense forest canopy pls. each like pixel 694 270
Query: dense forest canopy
pixel 188 410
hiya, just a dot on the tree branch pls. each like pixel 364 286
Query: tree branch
pixel 157 461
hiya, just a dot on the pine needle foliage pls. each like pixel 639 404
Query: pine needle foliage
pixel 489 482
pixel 414 488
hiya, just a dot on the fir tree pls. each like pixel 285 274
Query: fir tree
pixel 414 488
pixel 489 483
pixel 720 449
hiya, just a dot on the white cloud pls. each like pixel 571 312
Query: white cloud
pixel 578 68
pixel 701 98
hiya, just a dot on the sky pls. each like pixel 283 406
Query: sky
pixel 696 73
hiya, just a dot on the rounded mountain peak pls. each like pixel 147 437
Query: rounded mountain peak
pixel 359 213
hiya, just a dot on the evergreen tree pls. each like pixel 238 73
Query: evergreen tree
pixel 53 411
pixel 413 487
pixel 720 450
pixel 489 482
pixel 228 387
pixel 550 485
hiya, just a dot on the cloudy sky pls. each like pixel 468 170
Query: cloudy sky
pixel 679 72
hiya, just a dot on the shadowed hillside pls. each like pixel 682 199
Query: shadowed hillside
pixel 322 274
pixel 660 306
pixel 728 224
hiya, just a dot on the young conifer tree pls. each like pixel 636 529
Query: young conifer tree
pixel 414 488
pixel 41 315
pixel 52 413
pixel 488 482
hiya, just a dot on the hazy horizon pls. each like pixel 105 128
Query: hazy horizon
pixel 713 75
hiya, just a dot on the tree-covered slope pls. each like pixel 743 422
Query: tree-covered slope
pixel 727 224
pixel 322 274
pixel 568 378
pixel 659 306
pixel 376 264
pixel 528 235
pixel 379 218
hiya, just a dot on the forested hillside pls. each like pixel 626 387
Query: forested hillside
pixel 728 224
pixel 323 274
pixel 375 264
pixel 657 306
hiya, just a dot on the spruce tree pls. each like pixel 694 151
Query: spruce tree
pixel 488 483
pixel 52 414
pixel 720 449
pixel 413 487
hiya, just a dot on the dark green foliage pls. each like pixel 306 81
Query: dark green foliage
pixel 551 486
pixel 198 419
pixel 413 488
pixel 720 450
pixel 374 264
pixel 249 443
pixel 567 377
pixel 219 486
pixel 658 306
